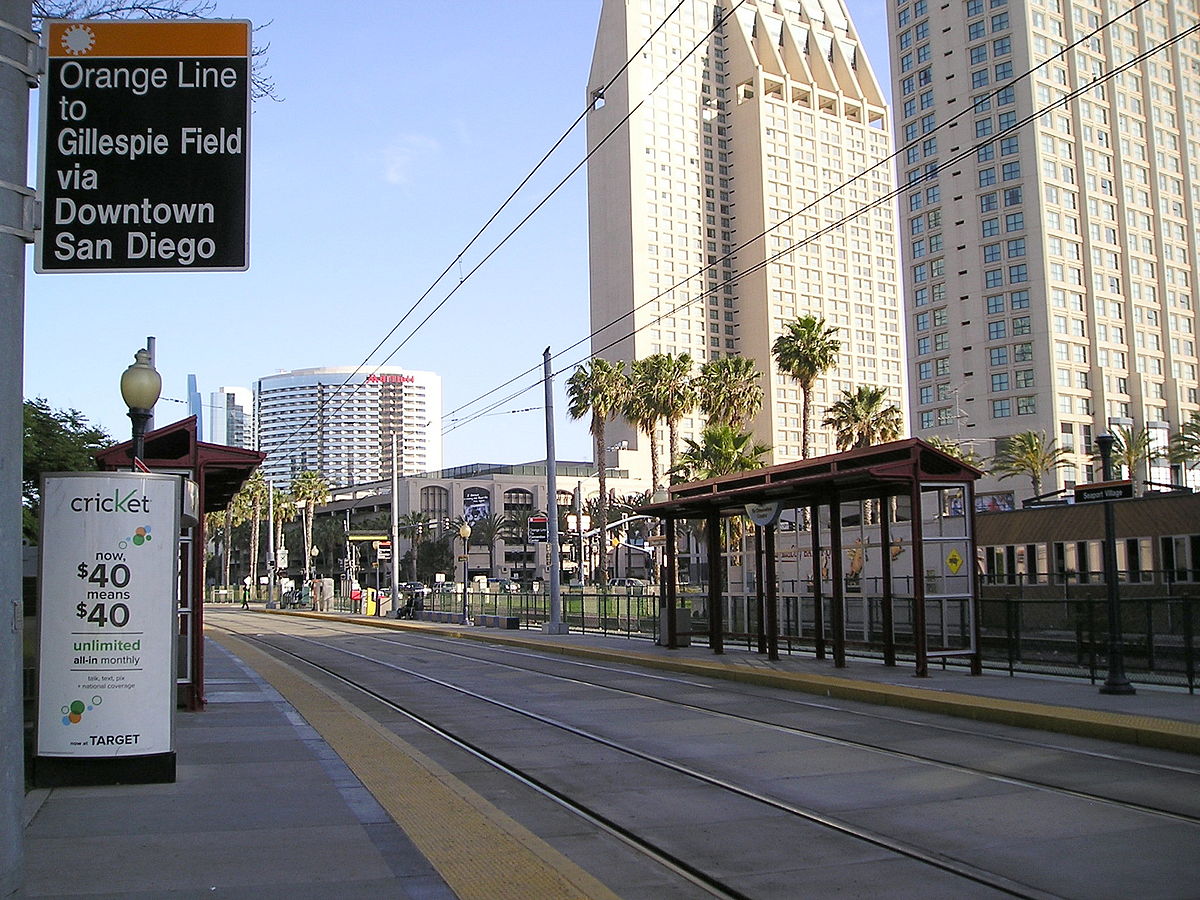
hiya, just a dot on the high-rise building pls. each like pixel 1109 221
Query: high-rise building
pixel 739 180
pixel 1050 262
pixel 339 423
pixel 229 418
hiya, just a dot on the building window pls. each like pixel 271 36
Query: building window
pixel 997 330
pixel 1023 352
pixel 1001 409
pixel 993 278
pixel 1021 325
pixel 987 176
pixel 1016 248
pixel 1018 274
pixel 1024 378
pixel 926 394
pixel 979 78
pixel 1014 221
pixel 979 54
pixel 1010 145
pixel 1011 171
pixel 989 202
pixel 983 127
pixel 1000 382
pixel 991 253
pixel 998 356
pixel 1019 300
pixel 1026 406
pixel 991 227
pixel 995 304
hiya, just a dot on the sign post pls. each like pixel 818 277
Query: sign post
pixel 145 147
pixel 109 579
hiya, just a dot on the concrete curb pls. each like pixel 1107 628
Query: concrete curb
pixel 1144 731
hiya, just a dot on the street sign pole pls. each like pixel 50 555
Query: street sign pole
pixel 1116 682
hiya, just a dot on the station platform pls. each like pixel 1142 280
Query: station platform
pixel 265 804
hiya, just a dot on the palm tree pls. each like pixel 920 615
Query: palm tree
pixel 1131 448
pixel 284 510
pixel 730 391
pixel 214 531
pixel 485 531
pixel 1029 453
pixel 955 449
pixel 598 388
pixel 805 350
pixel 1185 445
pixel 237 511
pixel 674 396
pixel 309 489
pixel 864 418
pixel 639 408
pixel 721 450
pixel 415 524
pixel 255 493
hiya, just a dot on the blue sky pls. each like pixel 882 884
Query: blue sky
pixel 402 126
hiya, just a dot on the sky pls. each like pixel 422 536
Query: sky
pixel 400 127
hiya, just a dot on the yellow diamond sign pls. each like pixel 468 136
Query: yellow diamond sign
pixel 954 562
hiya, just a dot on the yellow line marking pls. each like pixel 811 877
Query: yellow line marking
pixel 480 851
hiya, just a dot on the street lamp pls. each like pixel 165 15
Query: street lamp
pixel 464 532
pixel 140 388
pixel 1116 682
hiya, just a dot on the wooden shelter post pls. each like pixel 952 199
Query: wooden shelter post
pixel 772 598
pixel 920 636
pixel 837 603
pixel 670 580
pixel 760 625
pixel 885 542
pixel 716 618
pixel 818 599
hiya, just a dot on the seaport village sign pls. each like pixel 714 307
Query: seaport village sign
pixel 144 156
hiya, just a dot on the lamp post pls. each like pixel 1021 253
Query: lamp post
pixel 464 532
pixel 140 388
pixel 1116 682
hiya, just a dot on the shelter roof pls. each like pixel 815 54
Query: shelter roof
pixel 879 471
pixel 221 471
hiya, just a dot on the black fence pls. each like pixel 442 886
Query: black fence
pixel 1025 625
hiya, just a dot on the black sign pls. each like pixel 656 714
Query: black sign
pixel 537 530
pixel 1108 490
pixel 145 147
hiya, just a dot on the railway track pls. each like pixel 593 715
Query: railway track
pixel 467 695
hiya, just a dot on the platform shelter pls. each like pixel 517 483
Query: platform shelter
pixel 908 579
pixel 219 473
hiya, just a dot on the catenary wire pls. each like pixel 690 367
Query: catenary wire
pixel 457 261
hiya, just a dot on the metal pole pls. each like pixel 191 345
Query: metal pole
pixel 395 504
pixel 1116 682
pixel 556 624
pixel 270 543
pixel 16 43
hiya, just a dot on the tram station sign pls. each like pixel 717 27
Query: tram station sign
pixel 144 156
pixel 1104 490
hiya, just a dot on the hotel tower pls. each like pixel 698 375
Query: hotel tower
pixel 1048 223
pixel 740 178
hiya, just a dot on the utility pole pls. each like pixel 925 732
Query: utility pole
pixel 556 624
pixel 18 73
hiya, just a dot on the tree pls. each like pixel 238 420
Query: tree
pixel 730 391
pixel 254 492
pixel 598 388
pixel 1185 444
pixel 54 441
pixel 485 531
pixel 955 449
pixel 415 524
pixel 284 510
pixel 805 350
pixel 864 418
pixel 1029 453
pixel 237 511
pixel 721 450
pixel 1131 448
pixel 640 409
pixel 309 489
pixel 674 396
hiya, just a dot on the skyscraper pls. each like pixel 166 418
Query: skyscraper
pixel 728 162
pixel 1049 240
pixel 339 423
pixel 229 418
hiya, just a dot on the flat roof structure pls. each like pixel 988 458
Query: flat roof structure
pixel 908 468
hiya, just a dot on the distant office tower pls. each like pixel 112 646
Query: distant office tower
pixel 196 407
pixel 725 207
pixel 339 422
pixel 229 417
pixel 1050 267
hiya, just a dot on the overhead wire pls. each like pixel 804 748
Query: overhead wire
pixel 899 190
pixel 457 261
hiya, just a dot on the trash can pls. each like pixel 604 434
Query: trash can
pixel 683 627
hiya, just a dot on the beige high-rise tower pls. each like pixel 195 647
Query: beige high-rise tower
pixel 1050 274
pixel 710 224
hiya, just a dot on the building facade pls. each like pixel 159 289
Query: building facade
pixel 1049 223
pixel 740 179
pixel 339 422
pixel 229 418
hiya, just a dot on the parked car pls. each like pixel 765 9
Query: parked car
pixel 415 588
pixel 445 587
pixel 504 585
pixel 632 585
